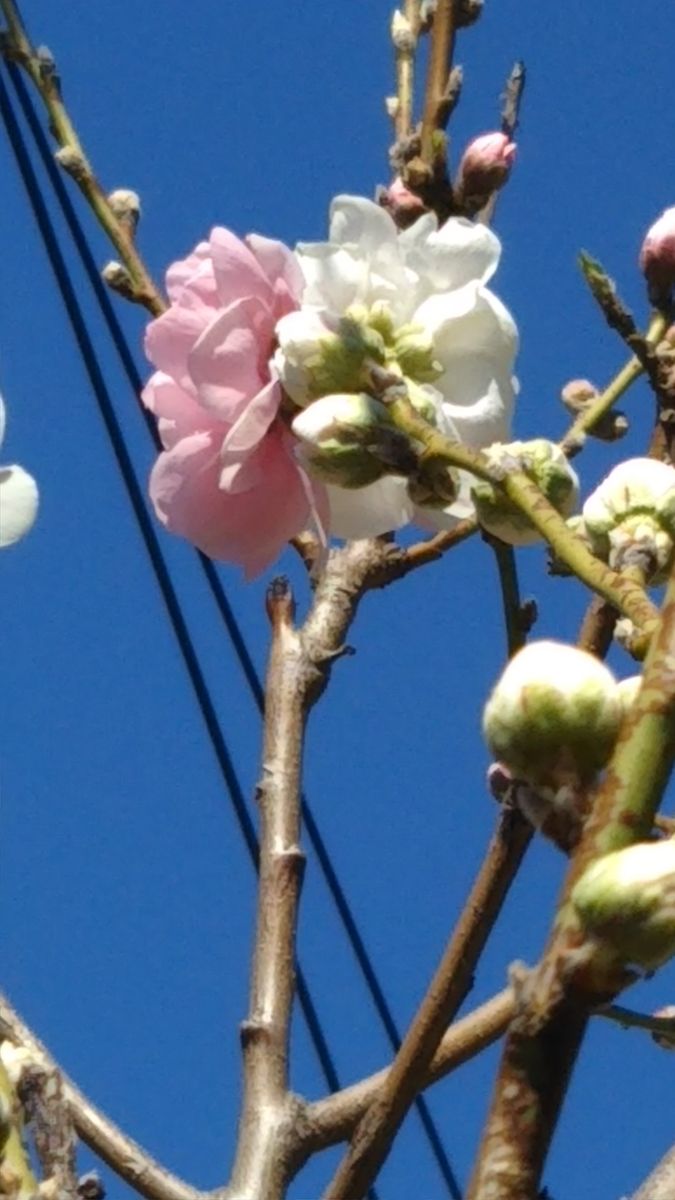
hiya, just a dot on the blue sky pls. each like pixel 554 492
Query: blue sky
pixel 127 897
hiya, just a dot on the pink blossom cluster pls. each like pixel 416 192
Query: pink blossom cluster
pixel 227 480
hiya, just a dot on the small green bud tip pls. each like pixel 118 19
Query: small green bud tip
pixel 627 900
pixel 554 715
pixel 547 466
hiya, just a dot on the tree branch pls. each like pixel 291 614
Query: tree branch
pixel 577 974
pixel 373 1137
pixel 124 1156
pixel 442 40
pixel 660 1184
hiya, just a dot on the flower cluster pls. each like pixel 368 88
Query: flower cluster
pixel 263 389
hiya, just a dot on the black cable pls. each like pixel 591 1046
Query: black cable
pixel 241 650
pixel 150 541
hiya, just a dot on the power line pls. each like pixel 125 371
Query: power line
pixel 323 857
pixel 151 543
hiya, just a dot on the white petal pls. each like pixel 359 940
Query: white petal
pixel 447 518
pixel 18 503
pixel 369 511
pixel 359 222
pixel 333 276
pixel 418 232
pixel 466 250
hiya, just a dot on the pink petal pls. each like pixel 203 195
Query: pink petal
pixel 280 266
pixel 251 427
pixel 170 338
pixel 178 412
pixel 236 269
pixel 225 361
pixel 194 273
pixel 249 527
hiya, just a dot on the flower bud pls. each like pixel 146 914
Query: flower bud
pixel 126 205
pixel 405 206
pixel 554 715
pixel 578 394
pixel 627 691
pixel 402 33
pixel 630 517
pixel 484 168
pixel 546 465
pixel 627 899
pixel 657 256
pixel 345 439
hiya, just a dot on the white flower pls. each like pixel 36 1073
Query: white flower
pixel 418 303
pixel 630 517
pixel 18 497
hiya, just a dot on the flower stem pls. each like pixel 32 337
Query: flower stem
pixel 141 288
pixel 624 593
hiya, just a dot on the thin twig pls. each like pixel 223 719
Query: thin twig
pixel 405 51
pixel 440 62
pixel 373 1137
pixel 514 618
pixel 327 1122
pixel 597 627
pixel 576 974
pixel 124 1156
pixel 42 72
pixel 574 439
pixel 512 97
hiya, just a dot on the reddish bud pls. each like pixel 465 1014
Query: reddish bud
pixel 484 167
pixel 405 206
pixel 657 256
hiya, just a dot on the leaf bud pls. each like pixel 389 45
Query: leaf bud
pixel 126 206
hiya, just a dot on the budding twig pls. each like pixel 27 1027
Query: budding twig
pixel 72 158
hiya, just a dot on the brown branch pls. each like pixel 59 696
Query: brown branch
pixel 259 1168
pixel 327 1122
pixel 374 1135
pixel 576 974
pixel 440 62
pixel 597 627
pixel 124 1156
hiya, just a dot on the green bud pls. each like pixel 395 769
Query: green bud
pixel 349 440
pixel 413 350
pixel 544 463
pixel 630 517
pixel 554 715
pixel 627 900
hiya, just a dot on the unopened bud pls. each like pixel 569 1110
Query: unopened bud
pixel 126 206
pixel 630 517
pixel 484 168
pixel 341 436
pixel 554 715
pixel 468 11
pixel 578 394
pixel 544 463
pixel 402 34
pixel 73 162
pixel 657 257
pixel 665 1038
pixel 118 278
pixel 627 691
pixel 627 900
pixel 404 205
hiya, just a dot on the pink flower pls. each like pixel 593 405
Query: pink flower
pixel 227 479
pixel 657 256
pixel 484 167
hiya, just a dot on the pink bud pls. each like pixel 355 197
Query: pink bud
pixel 404 206
pixel 485 166
pixel 657 256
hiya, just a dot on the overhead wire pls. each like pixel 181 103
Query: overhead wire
pixel 241 651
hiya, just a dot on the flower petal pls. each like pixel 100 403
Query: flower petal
pixel 237 270
pixel 251 427
pixel 247 527
pixel 178 412
pixel 225 361
pixel 18 503
pixel 334 278
pixel 370 511
pixel 355 221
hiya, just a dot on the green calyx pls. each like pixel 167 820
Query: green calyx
pixel 545 464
